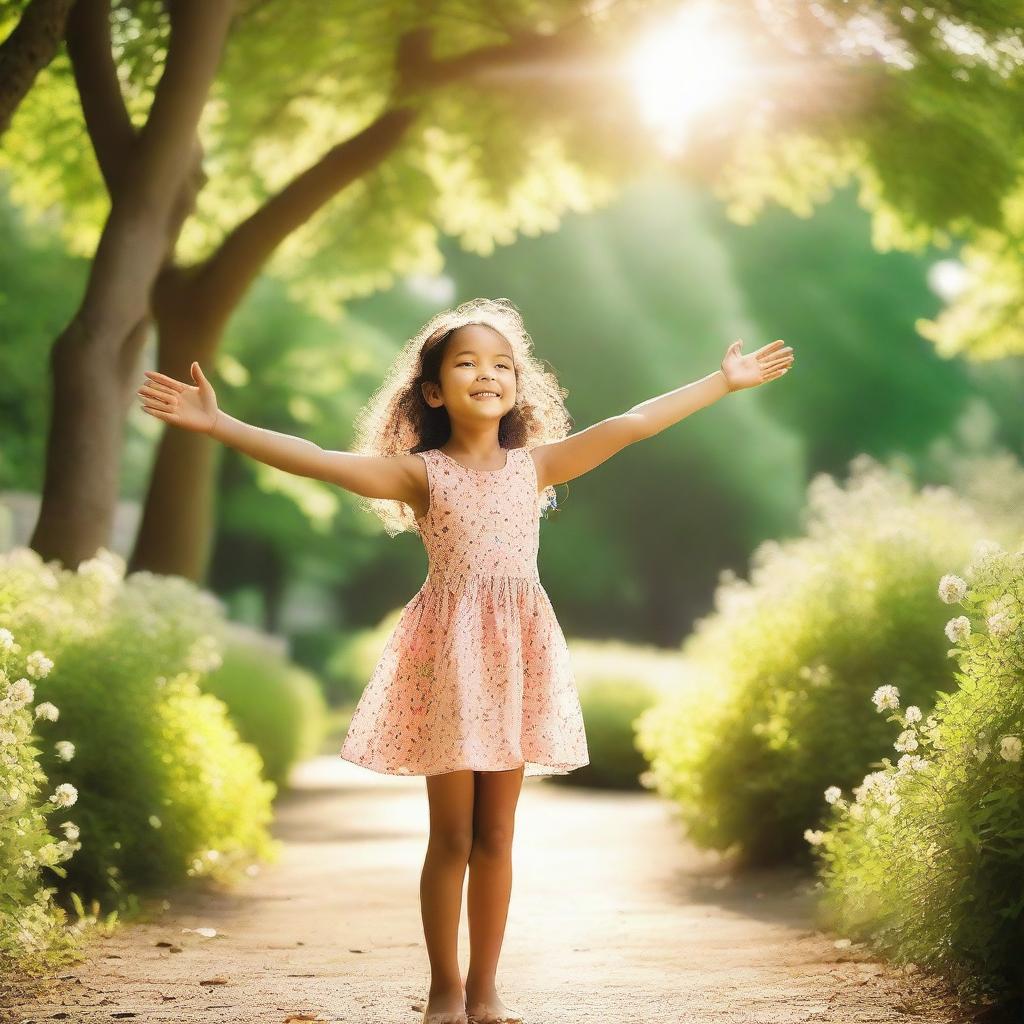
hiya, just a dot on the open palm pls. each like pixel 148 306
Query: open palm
pixel 747 371
pixel 184 405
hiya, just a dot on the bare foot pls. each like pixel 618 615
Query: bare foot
pixel 487 1008
pixel 445 1006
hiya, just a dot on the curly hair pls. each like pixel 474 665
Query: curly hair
pixel 397 420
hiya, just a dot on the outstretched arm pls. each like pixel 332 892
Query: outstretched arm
pixel 195 408
pixel 581 452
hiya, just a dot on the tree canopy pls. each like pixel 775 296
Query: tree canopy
pixel 920 103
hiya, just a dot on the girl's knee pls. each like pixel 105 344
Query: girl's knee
pixel 493 840
pixel 452 844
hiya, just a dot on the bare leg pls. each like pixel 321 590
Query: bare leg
pixel 444 871
pixel 490 887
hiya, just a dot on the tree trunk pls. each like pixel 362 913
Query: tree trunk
pixel 91 392
pixel 27 50
pixel 175 532
pixel 208 294
pixel 192 306
pixel 94 360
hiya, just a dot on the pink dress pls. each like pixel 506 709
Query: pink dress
pixel 476 673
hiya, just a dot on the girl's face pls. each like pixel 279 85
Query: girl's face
pixel 478 376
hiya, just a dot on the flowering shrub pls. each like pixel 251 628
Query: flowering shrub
pixel 926 861
pixel 165 788
pixel 32 927
pixel 785 662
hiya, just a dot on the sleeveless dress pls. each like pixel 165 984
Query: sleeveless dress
pixel 476 673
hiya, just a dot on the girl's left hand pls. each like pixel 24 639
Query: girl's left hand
pixel 747 371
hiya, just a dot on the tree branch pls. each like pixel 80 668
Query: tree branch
pixel 150 194
pixel 417 69
pixel 27 50
pixel 229 271
pixel 106 119
pixel 198 28
pixel 240 257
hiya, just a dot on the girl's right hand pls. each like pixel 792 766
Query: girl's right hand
pixel 193 408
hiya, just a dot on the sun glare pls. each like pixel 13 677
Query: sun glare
pixel 681 69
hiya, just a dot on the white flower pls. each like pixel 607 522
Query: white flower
pixel 1000 624
pixel 38 665
pixel 857 811
pixel 814 836
pixel 105 567
pixel 913 714
pixel 952 589
pixel 70 830
pixel 1009 748
pixel 22 691
pixel 985 549
pixel 958 629
pixel 48 711
pixel 6 640
pixel 65 749
pixel 907 740
pixel 886 697
pixel 7 737
pixel 49 854
pixel 64 795
pixel 832 794
pixel 910 762
pixel 204 655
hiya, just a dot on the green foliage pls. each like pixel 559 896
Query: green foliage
pixel 38 288
pixel 926 862
pixel 33 931
pixel 274 705
pixel 481 163
pixel 986 322
pixel 353 660
pixel 783 664
pixel 927 118
pixel 617 681
pixel 166 790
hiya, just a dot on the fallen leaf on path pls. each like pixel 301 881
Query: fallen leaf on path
pixel 215 981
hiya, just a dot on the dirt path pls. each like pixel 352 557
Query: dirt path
pixel 614 918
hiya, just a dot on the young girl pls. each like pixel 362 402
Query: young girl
pixel 461 444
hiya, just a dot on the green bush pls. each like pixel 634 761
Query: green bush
pixel 165 788
pixel 927 861
pixel 33 931
pixel 781 667
pixel 350 665
pixel 616 681
pixel 275 705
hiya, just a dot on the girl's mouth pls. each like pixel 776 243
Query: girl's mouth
pixel 480 395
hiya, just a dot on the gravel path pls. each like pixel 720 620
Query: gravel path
pixel 614 918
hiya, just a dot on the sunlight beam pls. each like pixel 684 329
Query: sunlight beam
pixel 683 68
